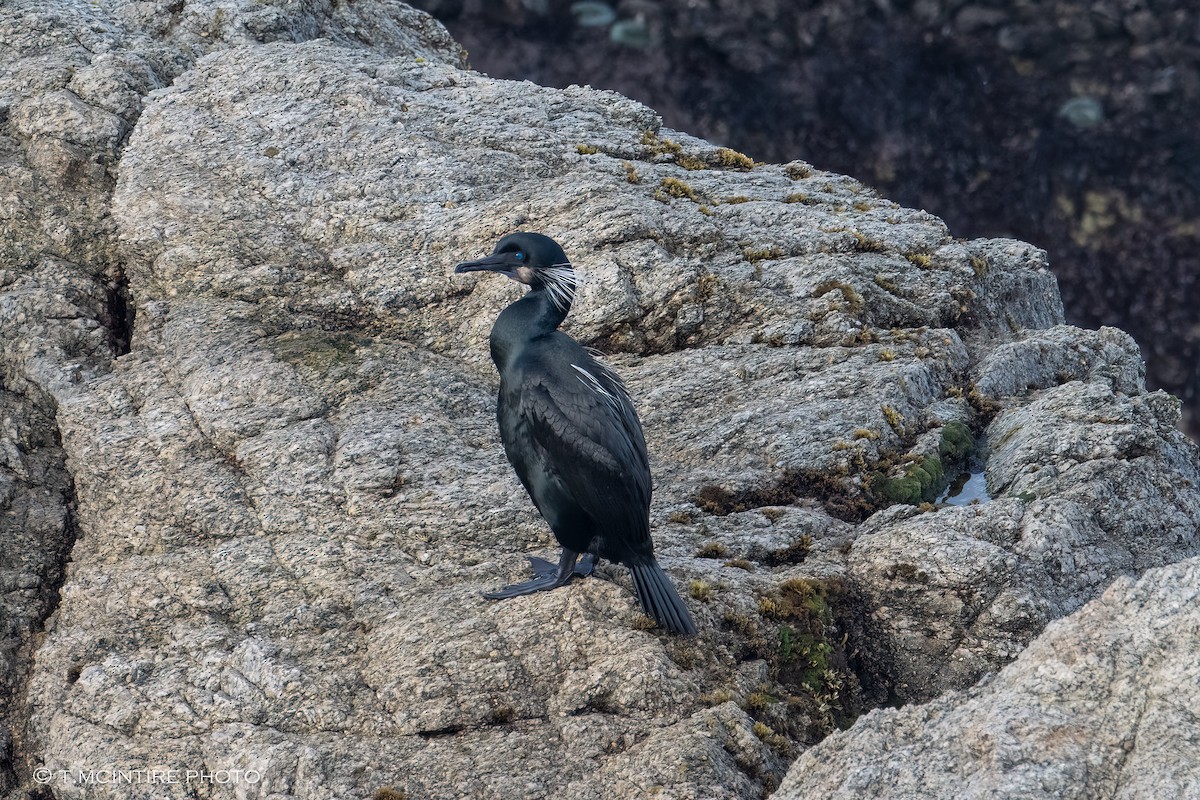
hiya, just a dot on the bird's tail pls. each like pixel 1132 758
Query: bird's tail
pixel 659 598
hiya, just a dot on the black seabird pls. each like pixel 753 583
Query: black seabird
pixel 570 431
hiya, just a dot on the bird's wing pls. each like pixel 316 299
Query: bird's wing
pixel 612 388
pixel 587 426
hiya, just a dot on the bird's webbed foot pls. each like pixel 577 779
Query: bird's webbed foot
pixel 543 579
pixel 585 567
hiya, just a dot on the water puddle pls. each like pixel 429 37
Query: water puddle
pixel 968 488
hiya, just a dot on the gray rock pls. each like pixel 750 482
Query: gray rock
pixel 74 79
pixel 37 530
pixel 1102 705
pixel 1045 358
pixel 289 493
pixel 1079 452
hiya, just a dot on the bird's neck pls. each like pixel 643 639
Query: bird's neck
pixel 532 316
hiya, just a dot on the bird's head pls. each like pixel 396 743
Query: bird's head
pixel 532 259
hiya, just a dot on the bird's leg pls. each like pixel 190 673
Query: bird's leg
pixel 585 567
pixel 542 580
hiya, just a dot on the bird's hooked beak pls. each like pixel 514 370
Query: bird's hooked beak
pixel 504 263
pixel 497 262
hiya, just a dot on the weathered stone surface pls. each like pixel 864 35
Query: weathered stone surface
pixel 290 492
pixel 1075 463
pixel 56 323
pixel 37 531
pixel 1104 704
pixel 72 83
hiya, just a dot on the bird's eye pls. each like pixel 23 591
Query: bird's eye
pixel 519 255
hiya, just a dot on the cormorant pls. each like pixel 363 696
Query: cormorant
pixel 571 433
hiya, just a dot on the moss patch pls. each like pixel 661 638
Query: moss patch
pixel 770 737
pixel 793 553
pixel 809 688
pixel 894 419
pixel 849 293
pixel 925 477
pixel 717 697
pixel 986 407
pixel 920 481
pixel 760 700
pixel 723 157
pixel 641 622
pixel 800 197
pixel 753 254
pixel 809 657
pixel 854 487
pixel 659 146
pixel 732 159
pixel 957 442
pixel 840 500
pixel 674 187
pixel 803 606
pixel 886 283
pixel 865 244
pixel 711 550
pixel 689 161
